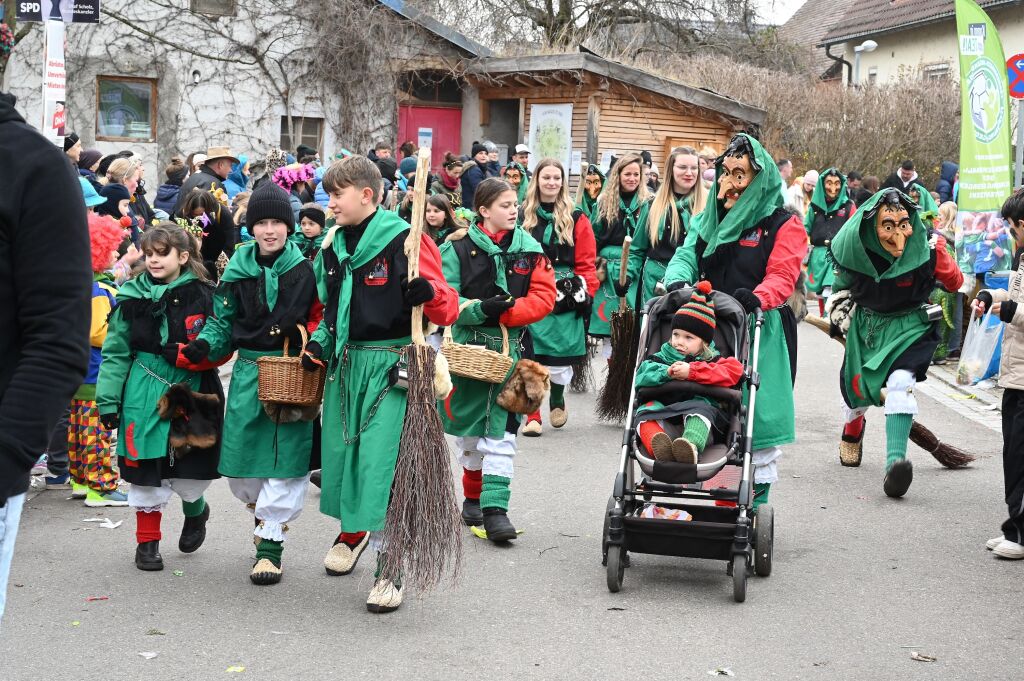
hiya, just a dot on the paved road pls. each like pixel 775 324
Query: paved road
pixel 860 581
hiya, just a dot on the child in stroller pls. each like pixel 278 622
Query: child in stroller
pixel 689 355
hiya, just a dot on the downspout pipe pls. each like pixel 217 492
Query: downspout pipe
pixel 849 66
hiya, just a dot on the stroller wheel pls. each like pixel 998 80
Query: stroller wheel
pixel 604 532
pixel 739 577
pixel 764 539
pixel 616 568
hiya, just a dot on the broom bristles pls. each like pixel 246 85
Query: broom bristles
pixel 422 530
pixel 613 400
pixel 582 372
pixel 946 454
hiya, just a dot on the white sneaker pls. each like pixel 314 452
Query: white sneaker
pixel 1009 550
pixel 994 542
pixel 384 597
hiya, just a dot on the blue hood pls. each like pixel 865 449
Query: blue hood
pixel 948 170
pixel 236 175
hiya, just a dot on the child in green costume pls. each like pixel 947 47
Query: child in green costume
pixel 589 191
pixel 829 208
pixel 157 313
pixel 310 236
pixel 266 292
pixel 690 355
pixel 502 276
pixel 362 274
pixel 559 339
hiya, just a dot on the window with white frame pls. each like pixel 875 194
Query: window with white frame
pixel 936 71
pixel 308 131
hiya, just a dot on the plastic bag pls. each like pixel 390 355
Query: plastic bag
pixel 979 347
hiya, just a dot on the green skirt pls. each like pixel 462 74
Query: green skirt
pixel 471 408
pixel 819 272
pixel 143 432
pixel 874 343
pixel 654 272
pixel 253 446
pixel 362 428
pixel 605 300
pixel 774 412
pixel 560 335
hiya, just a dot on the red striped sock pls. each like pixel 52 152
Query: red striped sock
pixel 472 483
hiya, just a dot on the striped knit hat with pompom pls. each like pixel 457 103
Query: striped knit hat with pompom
pixel 698 315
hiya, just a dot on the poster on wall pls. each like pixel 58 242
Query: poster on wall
pixel 425 138
pixel 68 11
pixel 54 84
pixel 550 133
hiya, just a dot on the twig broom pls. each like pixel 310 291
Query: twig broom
pixel 946 454
pixel 613 400
pixel 422 530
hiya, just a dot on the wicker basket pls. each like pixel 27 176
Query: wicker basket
pixel 473 361
pixel 282 380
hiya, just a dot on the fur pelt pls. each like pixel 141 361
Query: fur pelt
pixel 457 234
pixel 287 413
pixel 195 418
pixel 442 376
pixel 525 389
pixel 571 294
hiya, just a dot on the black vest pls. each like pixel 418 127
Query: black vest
pixel 186 309
pixel 256 327
pixel 666 246
pixel 894 295
pixel 743 263
pixel 557 252
pixel 377 310
pixel 614 234
pixel 478 275
pixel 826 226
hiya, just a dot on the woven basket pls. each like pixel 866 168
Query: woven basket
pixel 282 380
pixel 473 361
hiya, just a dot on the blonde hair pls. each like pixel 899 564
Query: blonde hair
pixel 664 199
pixel 562 213
pixel 947 218
pixel 608 201
pixel 121 169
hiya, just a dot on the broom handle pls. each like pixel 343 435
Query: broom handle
pixel 412 242
pixel 822 325
pixel 623 274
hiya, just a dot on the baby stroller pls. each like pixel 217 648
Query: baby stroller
pixel 724 531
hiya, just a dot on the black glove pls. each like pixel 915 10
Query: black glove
pixel 196 351
pixel 170 353
pixel 621 290
pixel 985 298
pixel 311 357
pixel 747 298
pixel 110 421
pixel 675 286
pixel 417 291
pixel 1007 310
pixel 493 307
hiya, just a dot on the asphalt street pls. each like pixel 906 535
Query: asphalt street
pixel 860 581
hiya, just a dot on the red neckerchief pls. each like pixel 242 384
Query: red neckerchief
pixel 448 181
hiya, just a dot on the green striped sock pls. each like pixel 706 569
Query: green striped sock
pixel 270 550
pixel 761 490
pixel 557 395
pixel 191 509
pixel 495 492
pixel 897 433
pixel 696 431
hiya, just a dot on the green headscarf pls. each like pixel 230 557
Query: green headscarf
pixel 144 287
pixel 524 183
pixel 245 266
pixel 760 199
pixel 850 246
pixel 929 209
pixel 585 203
pixel 819 201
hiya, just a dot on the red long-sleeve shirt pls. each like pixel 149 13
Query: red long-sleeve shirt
pixel 443 308
pixel 725 372
pixel 586 253
pixel 784 264
pixel 947 272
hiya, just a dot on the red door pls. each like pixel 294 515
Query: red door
pixel 442 126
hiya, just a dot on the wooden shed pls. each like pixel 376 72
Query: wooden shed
pixel 615 108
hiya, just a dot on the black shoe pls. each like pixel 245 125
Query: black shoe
pixel 898 479
pixel 471 513
pixel 315 477
pixel 193 532
pixel 147 556
pixel 497 525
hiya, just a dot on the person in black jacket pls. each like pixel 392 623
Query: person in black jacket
pixel 45 313
pixel 219 235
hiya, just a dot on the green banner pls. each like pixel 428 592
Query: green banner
pixel 986 169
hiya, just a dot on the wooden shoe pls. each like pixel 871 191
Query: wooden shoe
pixel 661 447
pixel 558 416
pixel 384 597
pixel 533 428
pixel 684 451
pixel 851 449
pixel 342 558
pixel 265 572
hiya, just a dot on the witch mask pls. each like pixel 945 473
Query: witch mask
pixel 893 226
pixel 832 186
pixel 592 185
pixel 737 174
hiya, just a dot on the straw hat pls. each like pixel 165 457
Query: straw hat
pixel 214 153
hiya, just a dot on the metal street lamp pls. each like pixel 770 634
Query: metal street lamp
pixel 866 46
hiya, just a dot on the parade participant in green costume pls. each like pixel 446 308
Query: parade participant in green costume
pixel 362 275
pixel 312 220
pixel 158 312
pixel 622 211
pixel 829 208
pixel 267 290
pixel 928 209
pixel 589 189
pixel 887 263
pixel 501 271
pixel 565 234
pixel 750 247
pixel 440 219
pixel 515 175
pixel 679 198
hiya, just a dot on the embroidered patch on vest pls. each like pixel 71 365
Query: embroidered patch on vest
pixel 521 266
pixel 378 275
pixel 753 239
pixel 193 325
pixel 905 282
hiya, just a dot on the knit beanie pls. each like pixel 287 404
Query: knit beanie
pixel 387 168
pixel 70 141
pixel 477 148
pixel 408 165
pixel 315 214
pixel 269 202
pixel 114 193
pixel 698 315
pixel 89 158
